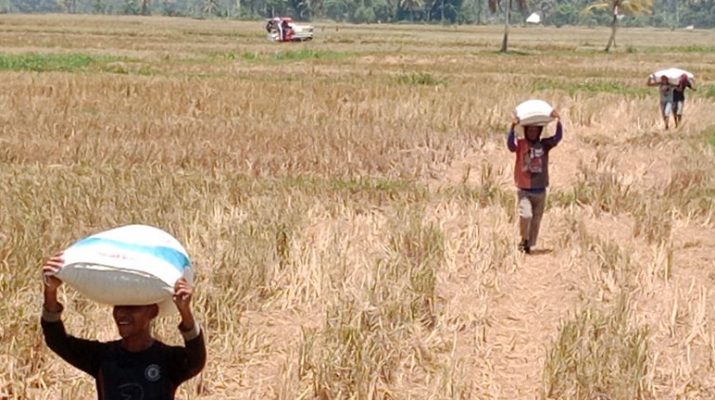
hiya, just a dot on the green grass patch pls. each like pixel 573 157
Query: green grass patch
pixel 72 62
pixel 711 139
pixel 591 87
pixel 681 49
pixel 233 56
pixel 281 56
pixel 38 62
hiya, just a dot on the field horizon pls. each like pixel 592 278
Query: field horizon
pixel 349 208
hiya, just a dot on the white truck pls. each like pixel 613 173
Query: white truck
pixel 284 29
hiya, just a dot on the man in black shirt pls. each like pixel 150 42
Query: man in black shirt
pixel 679 97
pixel 136 367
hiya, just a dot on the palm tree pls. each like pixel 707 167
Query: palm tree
pixel 495 5
pixel 412 6
pixel 625 7
pixel 210 7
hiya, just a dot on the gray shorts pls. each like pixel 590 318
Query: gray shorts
pixel 531 204
pixel 679 106
pixel 666 108
pixel 531 208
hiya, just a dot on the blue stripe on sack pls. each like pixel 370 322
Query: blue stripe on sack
pixel 174 257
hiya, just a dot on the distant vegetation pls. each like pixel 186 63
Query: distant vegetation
pixel 48 62
pixel 666 13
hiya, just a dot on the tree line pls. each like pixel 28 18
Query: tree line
pixel 662 13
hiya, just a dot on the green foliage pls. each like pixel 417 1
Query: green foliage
pixel 627 7
pixel 72 62
pixel 29 6
pixel 698 13
pixel 614 8
pixel 695 49
pixel 131 7
pixel 498 5
pixel 48 62
pixel 590 87
pixel 364 15
pixel 339 10
pixel 303 54
pixel 384 11
pixel 565 14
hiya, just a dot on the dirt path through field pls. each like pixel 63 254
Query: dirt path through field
pixel 533 296
pixel 526 313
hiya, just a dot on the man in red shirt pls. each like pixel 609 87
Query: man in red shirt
pixel 531 176
pixel 679 98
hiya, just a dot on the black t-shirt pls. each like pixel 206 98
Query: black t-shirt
pixel 152 374
pixel 679 92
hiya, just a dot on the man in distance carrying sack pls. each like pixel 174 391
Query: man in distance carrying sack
pixel 666 96
pixel 137 366
pixel 679 97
